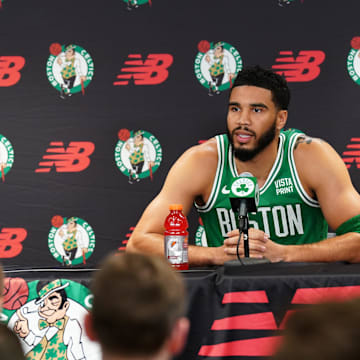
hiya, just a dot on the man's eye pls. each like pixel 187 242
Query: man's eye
pixel 234 108
pixel 257 110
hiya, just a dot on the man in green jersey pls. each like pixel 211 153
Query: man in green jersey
pixel 304 185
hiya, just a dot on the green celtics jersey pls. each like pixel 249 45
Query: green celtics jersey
pixel 285 211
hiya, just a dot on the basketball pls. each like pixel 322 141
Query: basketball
pixel 55 49
pixel 123 134
pixel 15 293
pixel 57 221
pixel 203 46
pixel 355 42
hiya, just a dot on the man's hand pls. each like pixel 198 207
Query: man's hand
pixel 275 252
pixel 260 245
pixel 257 243
pixel 21 326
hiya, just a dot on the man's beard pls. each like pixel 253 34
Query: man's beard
pixel 262 143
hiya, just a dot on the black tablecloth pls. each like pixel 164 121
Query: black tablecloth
pixel 236 316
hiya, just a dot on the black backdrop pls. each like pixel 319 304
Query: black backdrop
pixel 178 111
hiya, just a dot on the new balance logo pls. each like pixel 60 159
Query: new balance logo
pixel 152 71
pixel 352 156
pixel 10 67
pixel 265 321
pixel 74 158
pixel 124 242
pixel 10 242
pixel 303 68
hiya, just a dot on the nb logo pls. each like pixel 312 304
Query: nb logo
pixel 352 155
pixel 152 71
pixel 10 67
pixel 124 242
pixel 10 242
pixel 74 158
pixel 303 68
pixel 263 321
pixel 225 190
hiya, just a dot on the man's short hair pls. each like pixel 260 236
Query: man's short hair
pixel 137 301
pixel 267 79
pixel 327 331
pixel 10 348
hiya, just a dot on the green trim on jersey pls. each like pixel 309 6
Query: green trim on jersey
pixel 285 211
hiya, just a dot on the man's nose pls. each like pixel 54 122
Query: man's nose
pixel 244 118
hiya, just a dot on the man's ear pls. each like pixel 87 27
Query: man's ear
pixel 281 119
pixel 179 335
pixel 66 305
pixel 89 327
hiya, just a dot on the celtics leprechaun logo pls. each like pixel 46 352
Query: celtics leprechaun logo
pixel 49 322
pixel 353 59
pixel 6 156
pixel 216 65
pixel 137 154
pixel 71 240
pixel 69 69
pixel 134 4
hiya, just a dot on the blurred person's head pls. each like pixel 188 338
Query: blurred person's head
pixel 138 308
pixel 326 331
pixel 10 348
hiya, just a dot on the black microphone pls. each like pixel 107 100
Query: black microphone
pixel 244 198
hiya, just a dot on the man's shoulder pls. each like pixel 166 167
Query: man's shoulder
pixel 314 158
pixel 307 145
pixel 206 151
pixel 201 160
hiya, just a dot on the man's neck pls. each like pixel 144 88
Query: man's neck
pixel 261 165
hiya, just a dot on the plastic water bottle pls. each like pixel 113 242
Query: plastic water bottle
pixel 176 238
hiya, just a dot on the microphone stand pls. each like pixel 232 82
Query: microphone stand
pixel 244 229
pixel 234 267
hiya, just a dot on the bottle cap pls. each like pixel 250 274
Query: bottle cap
pixel 175 207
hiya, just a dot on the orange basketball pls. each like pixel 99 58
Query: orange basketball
pixel 123 134
pixel 355 42
pixel 57 221
pixel 203 46
pixel 15 293
pixel 55 49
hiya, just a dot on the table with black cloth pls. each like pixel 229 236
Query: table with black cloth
pixel 234 313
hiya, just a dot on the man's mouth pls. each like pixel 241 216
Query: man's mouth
pixel 47 313
pixel 243 137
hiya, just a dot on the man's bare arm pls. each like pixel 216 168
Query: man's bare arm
pixel 190 177
pixel 323 173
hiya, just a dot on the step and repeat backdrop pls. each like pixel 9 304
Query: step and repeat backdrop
pixel 99 98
